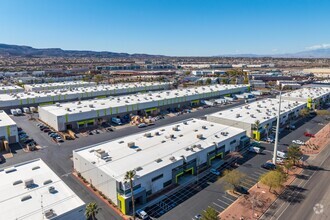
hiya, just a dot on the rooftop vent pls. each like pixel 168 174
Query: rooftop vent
pixel 27 197
pixel 172 159
pixel 17 182
pixel 158 160
pixel 147 134
pixel 47 182
pixel 138 168
pixel 204 127
pixel 51 189
pixel 175 128
pixel 156 133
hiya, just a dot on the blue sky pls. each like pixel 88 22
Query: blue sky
pixel 168 27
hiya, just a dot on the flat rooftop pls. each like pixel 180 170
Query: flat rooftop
pixel 262 110
pixel 5 120
pixel 306 93
pixel 9 87
pixel 77 90
pixel 60 84
pixel 13 191
pixel 118 101
pixel 159 146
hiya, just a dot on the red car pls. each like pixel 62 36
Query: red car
pixel 307 134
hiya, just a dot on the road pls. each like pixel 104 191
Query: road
pixel 309 195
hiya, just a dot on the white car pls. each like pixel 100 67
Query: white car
pixel 215 172
pixel 279 160
pixel 299 142
pixel 142 125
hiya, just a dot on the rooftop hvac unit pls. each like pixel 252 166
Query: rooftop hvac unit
pixel 138 149
pixel 67 109
pixel 185 123
pixel 204 127
pixel 175 128
pixel 158 160
pixel 172 159
pixel 238 115
pixel 57 104
pixel 100 153
pixel 199 146
pixel 187 148
pixel 156 133
pixel 131 144
pixel 49 213
pixel 147 134
pixel 199 136
pixel 51 189
pixel 171 136
pixel 138 168
pixel 28 183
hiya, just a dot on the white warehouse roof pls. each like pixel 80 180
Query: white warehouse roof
pixel 7 89
pixel 5 120
pixel 262 110
pixel 305 93
pixel 22 98
pixel 140 99
pixel 158 150
pixel 45 86
pixel 23 201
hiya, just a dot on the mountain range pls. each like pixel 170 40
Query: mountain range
pixel 7 50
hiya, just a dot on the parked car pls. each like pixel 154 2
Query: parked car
pixel 279 160
pixel 198 217
pixel 142 214
pixel 28 141
pixel 282 154
pixel 21 132
pixel 59 139
pixel 215 172
pixel 256 150
pixel 299 142
pixel 307 134
pixel 23 136
pixel 241 190
pixel 268 166
pixel 46 130
pixel 270 139
pixel 142 125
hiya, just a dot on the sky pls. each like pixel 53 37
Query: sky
pixel 168 27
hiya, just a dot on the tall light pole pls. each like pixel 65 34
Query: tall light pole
pixel 277 130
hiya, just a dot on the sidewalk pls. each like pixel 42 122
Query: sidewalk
pixel 315 145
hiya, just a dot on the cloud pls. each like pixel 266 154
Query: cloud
pixel 319 46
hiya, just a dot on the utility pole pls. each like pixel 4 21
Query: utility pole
pixel 277 130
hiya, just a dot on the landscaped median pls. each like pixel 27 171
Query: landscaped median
pixel 260 197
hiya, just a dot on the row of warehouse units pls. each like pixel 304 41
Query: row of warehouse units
pixel 172 154
pixel 314 96
pixel 31 190
pixel 162 157
pixel 81 114
pixel 58 85
pixel 9 89
pixel 35 98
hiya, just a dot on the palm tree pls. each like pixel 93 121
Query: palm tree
pixel 92 210
pixel 256 125
pixel 266 128
pixel 129 177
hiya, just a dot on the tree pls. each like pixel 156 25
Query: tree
pixel 273 179
pixel 92 210
pixel 233 178
pixel 129 177
pixel 294 153
pixel 323 112
pixel 208 81
pixel 98 78
pixel 304 112
pixel 210 214
pixel 288 164
pixel 256 125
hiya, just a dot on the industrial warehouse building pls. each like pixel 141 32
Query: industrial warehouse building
pixel 91 112
pixel 31 190
pixel 8 129
pixel 161 157
pixel 313 96
pixel 4 89
pixel 25 99
pixel 265 111
pixel 58 85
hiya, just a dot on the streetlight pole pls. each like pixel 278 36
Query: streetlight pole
pixel 277 130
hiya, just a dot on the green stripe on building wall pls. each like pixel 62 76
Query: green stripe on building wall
pixel 8 131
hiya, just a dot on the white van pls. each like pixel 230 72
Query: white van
pixel 282 154
pixel 13 111
pixel 116 121
pixel 256 150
